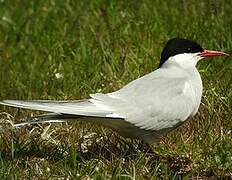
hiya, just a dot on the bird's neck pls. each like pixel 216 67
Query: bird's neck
pixel 184 61
pixel 185 67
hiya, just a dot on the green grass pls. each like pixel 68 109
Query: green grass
pixel 99 46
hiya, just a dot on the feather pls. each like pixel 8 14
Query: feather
pixel 84 108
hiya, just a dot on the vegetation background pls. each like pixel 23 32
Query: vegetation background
pixel 57 49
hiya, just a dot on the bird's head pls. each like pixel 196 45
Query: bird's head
pixel 185 52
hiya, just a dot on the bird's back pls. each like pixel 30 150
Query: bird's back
pixel 156 102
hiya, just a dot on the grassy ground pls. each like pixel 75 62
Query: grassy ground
pixel 67 49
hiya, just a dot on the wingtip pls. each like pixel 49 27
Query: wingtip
pixel 8 102
pixel 3 102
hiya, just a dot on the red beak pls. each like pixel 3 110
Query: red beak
pixel 209 53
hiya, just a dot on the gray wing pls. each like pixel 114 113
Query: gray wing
pixel 84 108
pixel 153 102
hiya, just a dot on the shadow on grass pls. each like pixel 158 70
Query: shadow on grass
pixel 73 150
pixel 109 148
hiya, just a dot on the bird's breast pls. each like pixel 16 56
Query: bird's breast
pixel 193 88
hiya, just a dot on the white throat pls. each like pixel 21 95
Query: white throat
pixel 185 60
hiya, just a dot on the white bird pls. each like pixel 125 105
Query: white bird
pixel 145 108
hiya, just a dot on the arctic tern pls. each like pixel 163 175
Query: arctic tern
pixel 146 108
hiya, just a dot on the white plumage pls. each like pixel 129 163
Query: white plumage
pixel 146 108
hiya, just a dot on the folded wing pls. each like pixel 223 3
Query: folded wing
pixel 84 108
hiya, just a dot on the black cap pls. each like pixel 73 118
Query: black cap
pixel 178 46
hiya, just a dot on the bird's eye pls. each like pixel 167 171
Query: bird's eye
pixel 189 49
